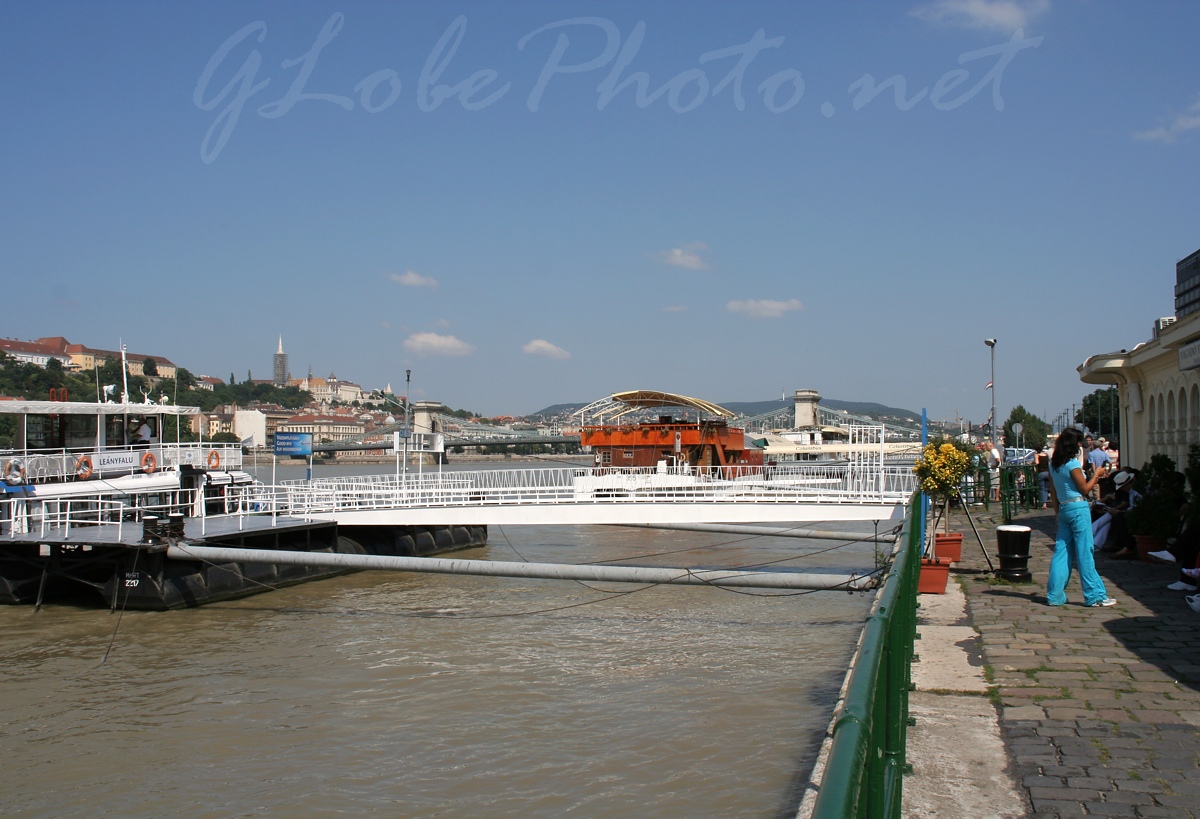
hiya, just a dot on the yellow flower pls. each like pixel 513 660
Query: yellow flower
pixel 941 469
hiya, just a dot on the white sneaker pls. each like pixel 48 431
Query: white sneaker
pixel 1163 557
pixel 1179 585
pixel 1108 601
pixel 1194 602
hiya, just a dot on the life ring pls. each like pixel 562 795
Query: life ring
pixel 59 394
pixel 149 462
pixel 214 459
pixel 83 468
pixel 14 472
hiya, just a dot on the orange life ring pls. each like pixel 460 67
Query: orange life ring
pixel 83 468
pixel 214 459
pixel 14 469
pixel 149 462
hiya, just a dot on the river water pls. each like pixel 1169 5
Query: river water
pixel 429 695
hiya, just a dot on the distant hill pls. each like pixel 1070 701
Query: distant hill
pixel 866 408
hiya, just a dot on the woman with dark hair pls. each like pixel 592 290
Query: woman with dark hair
pixel 1073 547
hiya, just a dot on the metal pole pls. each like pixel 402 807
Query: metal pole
pixel 545 571
pixel 991 343
pixel 763 531
pixel 407 426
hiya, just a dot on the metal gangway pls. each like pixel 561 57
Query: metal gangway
pixel 864 489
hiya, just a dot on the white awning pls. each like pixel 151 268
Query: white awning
pixel 81 408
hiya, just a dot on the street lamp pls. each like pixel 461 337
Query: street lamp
pixel 991 343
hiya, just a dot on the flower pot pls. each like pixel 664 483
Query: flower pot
pixel 1147 544
pixel 948 548
pixel 934 576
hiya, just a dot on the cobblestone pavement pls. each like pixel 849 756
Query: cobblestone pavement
pixel 1099 706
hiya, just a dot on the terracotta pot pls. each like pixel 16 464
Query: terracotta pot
pixel 934 576
pixel 948 548
pixel 1147 544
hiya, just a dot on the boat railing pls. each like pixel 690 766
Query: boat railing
pixel 73 463
pixel 63 516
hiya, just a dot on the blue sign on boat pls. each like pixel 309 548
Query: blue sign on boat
pixel 293 443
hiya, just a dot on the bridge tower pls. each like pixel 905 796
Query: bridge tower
pixel 806 408
pixel 425 416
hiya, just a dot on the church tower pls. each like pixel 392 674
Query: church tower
pixel 281 366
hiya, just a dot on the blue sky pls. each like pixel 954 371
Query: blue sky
pixel 477 192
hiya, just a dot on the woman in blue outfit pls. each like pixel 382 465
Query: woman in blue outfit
pixel 1073 548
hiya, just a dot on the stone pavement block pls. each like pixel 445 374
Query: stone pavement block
pixel 1063 792
pixel 1128 798
pixel 1091 782
pixel 1156 717
pixel 1157 811
pixel 1024 712
pixel 1139 786
pixel 1175 801
pixel 1052 807
pixel 1106 809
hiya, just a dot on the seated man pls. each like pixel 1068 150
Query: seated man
pixel 1108 525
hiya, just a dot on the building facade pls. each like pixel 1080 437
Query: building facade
pixel 1159 380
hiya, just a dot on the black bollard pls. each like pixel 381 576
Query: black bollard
pixel 1012 546
pixel 151 532
pixel 175 524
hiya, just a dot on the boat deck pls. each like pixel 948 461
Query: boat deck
pixel 195 530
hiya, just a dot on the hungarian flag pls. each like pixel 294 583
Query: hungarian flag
pixel 989 386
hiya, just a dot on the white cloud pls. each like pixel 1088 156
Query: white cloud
pixel 411 278
pixel 764 308
pixel 997 15
pixel 539 346
pixel 1182 123
pixel 435 344
pixel 687 256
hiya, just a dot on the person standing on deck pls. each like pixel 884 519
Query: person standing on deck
pixel 1073 547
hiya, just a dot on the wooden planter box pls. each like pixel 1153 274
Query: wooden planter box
pixel 934 576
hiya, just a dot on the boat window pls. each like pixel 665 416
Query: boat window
pixel 42 432
pixel 114 431
pixel 81 432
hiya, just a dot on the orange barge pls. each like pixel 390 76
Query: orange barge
pixel 706 442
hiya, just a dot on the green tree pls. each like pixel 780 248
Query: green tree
pixel 1035 431
pixel 150 367
pixel 1101 412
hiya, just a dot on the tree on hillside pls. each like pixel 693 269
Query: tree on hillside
pixel 1035 430
pixel 1101 412
pixel 150 367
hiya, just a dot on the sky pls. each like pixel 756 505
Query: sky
pixel 542 202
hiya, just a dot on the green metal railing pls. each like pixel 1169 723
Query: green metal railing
pixel 865 770
pixel 1018 489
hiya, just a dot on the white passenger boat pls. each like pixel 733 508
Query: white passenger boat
pixel 92 496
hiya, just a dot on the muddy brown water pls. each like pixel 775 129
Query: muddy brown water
pixel 428 695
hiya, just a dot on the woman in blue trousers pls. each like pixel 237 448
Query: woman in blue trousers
pixel 1073 548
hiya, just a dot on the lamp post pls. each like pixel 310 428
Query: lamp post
pixel 991 343
pixel 407 424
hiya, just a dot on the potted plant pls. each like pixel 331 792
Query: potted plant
pixel 940 470
pixel 1156 517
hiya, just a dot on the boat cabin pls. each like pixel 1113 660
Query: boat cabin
pixel 707 441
